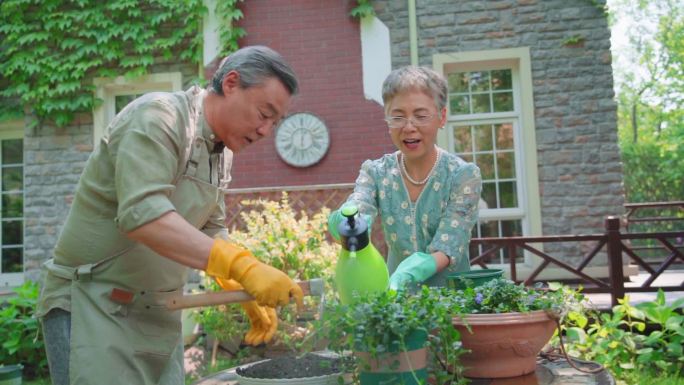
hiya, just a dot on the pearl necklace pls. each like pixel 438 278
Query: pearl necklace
pixel 419 182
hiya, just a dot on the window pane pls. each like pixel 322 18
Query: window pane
pixel 12 233
pixel 503 101
pixel 458 82
pixel 489 194
pixel 121 101
pixel 486 164
pixel 12 151
pixel 509 196
pixel 12 260
pixel 12 178
pixel 501 80
pixel 12 205
pixel 504 136
pixel 483 138
pixel 489 229
pixel 511 228
pixel 462 139
pixel 459 104
pixel 505 164
pixel 481 103
pixel 479 81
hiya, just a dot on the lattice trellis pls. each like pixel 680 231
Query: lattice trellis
pixel 310 200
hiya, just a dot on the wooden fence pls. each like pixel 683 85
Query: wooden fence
pixel 616 245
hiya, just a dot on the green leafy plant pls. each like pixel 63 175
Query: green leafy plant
pixel 294 243
pixel 51 49
pixel 574 40
pixel 362 9
pixel 21 341
pixel 501 295
pixel 622 342
pixel 374 322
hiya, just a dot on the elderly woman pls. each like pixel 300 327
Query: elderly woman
pixel 427 198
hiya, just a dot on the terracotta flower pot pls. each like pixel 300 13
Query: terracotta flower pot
pixel 503 345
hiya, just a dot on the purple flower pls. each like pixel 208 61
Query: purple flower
pixel 478 298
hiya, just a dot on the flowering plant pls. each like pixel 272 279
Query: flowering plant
pixel 289 241
pixel 504 296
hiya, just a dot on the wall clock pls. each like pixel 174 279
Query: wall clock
pixel 302 139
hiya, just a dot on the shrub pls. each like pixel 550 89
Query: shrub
pixel 620 340
pixel 20 335
pixel 295 244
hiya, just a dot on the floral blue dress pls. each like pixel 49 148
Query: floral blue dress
pixel 441 219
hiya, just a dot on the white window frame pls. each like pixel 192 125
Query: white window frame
pixel 518 60
pixel 14 129
pixel 107 89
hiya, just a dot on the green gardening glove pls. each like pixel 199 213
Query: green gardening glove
pixel 336 217
pixel 415 269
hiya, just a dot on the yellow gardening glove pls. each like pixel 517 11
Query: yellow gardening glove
pixel 268 285
pixel 263 320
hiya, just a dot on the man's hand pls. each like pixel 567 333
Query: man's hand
pixel 268 285
pixel 416 268
pixel 263 320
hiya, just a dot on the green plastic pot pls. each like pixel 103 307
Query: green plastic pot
pixel 10 375
pixel 385 368
pixel 472 278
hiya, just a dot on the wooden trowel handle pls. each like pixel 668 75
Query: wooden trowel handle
pixel 310 287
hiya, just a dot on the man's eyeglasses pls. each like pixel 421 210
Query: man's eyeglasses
pixel 398 122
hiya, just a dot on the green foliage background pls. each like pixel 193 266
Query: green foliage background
pixel 650 99
pixel 50 49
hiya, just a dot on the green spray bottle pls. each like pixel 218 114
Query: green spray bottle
pixel 360 267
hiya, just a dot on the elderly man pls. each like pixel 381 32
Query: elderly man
pixel 149 206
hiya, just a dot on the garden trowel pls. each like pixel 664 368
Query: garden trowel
pixel 312 287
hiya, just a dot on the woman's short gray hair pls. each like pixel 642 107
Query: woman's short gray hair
pixel 415 78
pixel 255 64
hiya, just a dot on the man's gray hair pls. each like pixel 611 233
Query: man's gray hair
pixel 255 64
pixel 415 78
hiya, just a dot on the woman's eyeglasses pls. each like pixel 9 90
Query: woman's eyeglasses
pixel 398 122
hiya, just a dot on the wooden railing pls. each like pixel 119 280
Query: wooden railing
pixel 616 245
pixel 633 210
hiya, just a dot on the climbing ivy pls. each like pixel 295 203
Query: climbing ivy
pixel 362 9
pixel 228 32
pixel 49 48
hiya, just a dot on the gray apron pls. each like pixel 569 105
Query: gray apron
pixel 121 332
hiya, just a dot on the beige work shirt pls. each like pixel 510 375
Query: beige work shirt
pixel 127 183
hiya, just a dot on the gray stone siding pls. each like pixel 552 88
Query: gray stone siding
pixel 54 159
pixel 579 167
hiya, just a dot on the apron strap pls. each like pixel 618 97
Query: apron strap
pixel 79 273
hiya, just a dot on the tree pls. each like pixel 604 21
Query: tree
pixel 649 79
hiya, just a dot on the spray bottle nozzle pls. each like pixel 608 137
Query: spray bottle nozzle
pixel 354 230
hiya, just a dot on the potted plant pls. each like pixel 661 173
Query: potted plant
pixel 396 337
pixel 504 325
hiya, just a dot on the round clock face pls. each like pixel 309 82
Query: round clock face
pixel 302 139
